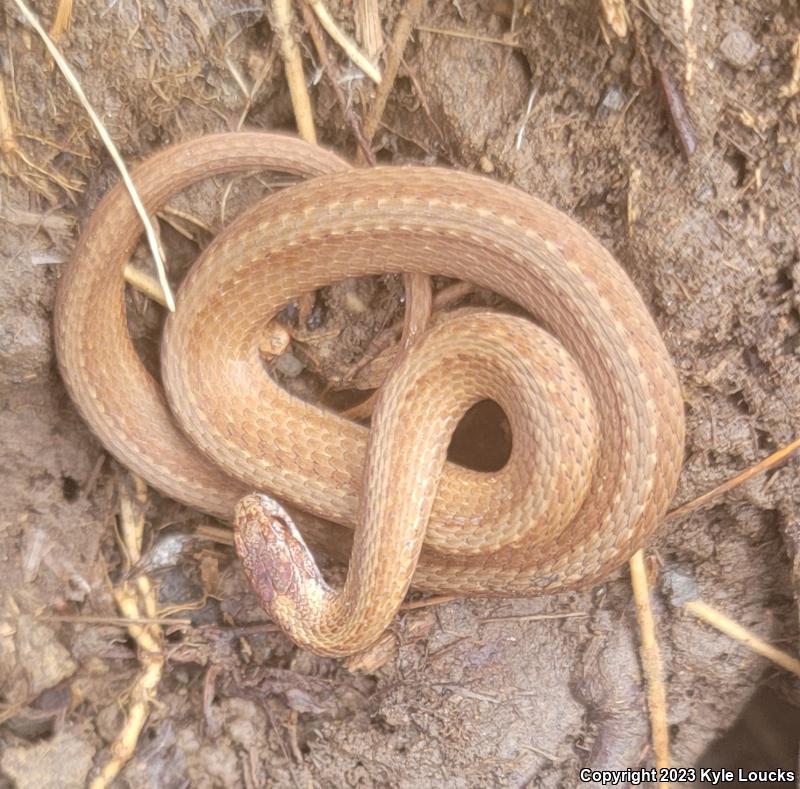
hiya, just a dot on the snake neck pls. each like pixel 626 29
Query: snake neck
pixel 290 587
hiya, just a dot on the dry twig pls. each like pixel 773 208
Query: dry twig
pixel 429 601
pixel 520 135
pixel 651 661
pixel 402 30
pixel 118 620
pixel 143 282
pixel 330 69
pixel 136 600
pixel 282 17
pixel 417 315
pixel 792 87
pixel 764 465
pixel 344 41
pixel 8 143
pixel 505 42
pixel 634 184
pixel 534 617
pixel 678 113
pixel 741 634
pixel 368 28
pixel 263 73
pixel 61 19
pixel 687 14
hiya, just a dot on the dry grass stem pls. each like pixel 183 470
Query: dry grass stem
pixel 143 282
pixel 61 20
pixel 402 30
pixel 282 19
pixel 651 662
pixel 471 36
pixel 344 41
pixel 8 142
pixel 744 636
pixel 792 87
pixel 551 756
pixel 177 226
pixel 238 78
pixel 764 465
pixel 262 75
pixel 634 184
pixel 191 218
pixel 534 617
pixel 349 114
pixel 216 534
pixel 72 80
pixel 429 601
pixel 687 14
pixel 116 620
pixel 368 28
pixel 616 16
pixel 42 173
pixel 520 135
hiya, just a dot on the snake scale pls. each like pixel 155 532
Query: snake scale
pixel 590 392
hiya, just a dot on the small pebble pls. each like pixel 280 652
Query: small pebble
pixel 739 49
pixel 679 585
pixel 354 304
pixel 705 193
pixel 613 101
pixel 41 654
pixel 61 760
pixel 289 365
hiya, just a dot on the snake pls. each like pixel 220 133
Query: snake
pixel 579 368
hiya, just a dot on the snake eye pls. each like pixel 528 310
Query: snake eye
pixel 277 530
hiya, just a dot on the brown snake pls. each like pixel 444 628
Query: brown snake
pixel 590 392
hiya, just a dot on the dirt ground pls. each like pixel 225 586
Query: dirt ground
pixel 481 692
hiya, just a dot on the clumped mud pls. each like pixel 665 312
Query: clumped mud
pixel 480 693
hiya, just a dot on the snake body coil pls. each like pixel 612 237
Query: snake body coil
pixel 590 392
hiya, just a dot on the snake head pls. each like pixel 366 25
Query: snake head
pixel 275 557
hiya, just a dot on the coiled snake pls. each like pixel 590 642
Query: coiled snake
pixel 590 392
